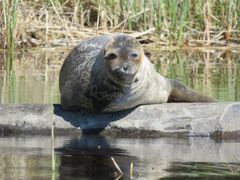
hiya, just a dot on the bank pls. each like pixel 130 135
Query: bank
pixel 217 120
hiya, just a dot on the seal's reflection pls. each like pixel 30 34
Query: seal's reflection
pixel 93 157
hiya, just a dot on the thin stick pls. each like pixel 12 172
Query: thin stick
pixel 116 166
pixel 52 147
pixel 143 33
pixel 46 30
pixel 131 171
pixel 131 17
pixel 59 17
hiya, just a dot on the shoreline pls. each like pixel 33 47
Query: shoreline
pixel 215 120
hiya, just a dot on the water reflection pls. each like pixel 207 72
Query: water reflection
pixel 95 158
pixel 212 72
pixel 33 76
pixel 203 170
pixel 89 157
pixel 25 158
pixel 168 158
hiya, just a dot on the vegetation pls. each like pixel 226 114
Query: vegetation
pixel 166 22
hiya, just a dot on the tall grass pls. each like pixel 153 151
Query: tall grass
pixel 176 22
pixel 8 23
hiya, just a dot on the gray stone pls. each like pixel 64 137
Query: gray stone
pixel 175 119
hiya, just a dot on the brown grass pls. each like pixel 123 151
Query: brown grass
pixel 166 22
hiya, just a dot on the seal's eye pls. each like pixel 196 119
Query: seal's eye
pixel 111 56
pixel 134 55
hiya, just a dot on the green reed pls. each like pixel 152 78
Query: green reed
pixel 145 14
pixel 177 17
pixel 173 7
pixel 183 21
pixel 9 17
pixel 52 147
pixel 8 23
pixel 152 3
pixel 159 17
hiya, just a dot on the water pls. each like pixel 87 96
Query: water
pixel 32 77
pixel 89 157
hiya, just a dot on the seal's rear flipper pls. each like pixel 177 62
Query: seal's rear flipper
pixel 182 93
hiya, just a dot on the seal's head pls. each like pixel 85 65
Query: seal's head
pixel 123 56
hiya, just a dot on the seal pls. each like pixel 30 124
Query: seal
pixel 111 73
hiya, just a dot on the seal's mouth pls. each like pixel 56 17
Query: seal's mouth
pixel 123 74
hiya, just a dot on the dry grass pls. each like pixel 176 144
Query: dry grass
pixel 165 22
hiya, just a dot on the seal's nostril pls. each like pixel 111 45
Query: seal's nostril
pixel 125 67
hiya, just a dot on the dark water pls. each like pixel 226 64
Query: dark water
pixel 33 76
pixel 90 157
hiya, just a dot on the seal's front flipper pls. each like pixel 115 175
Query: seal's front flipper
pixel 181 93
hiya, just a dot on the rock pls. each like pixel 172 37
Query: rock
pixel 170 119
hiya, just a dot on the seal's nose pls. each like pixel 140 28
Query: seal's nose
pixel 123 70
pixel 125 67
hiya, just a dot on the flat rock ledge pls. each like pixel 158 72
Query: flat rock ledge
pixel 170 119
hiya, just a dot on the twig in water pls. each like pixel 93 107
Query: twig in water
pixel 52 147
pixel 117 167
pixel 131 171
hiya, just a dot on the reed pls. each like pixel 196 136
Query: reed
pixel 145 14
pixel 159 17
pixel 52 148
pixel 183 21
pixel 176 22
pixel 8 23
